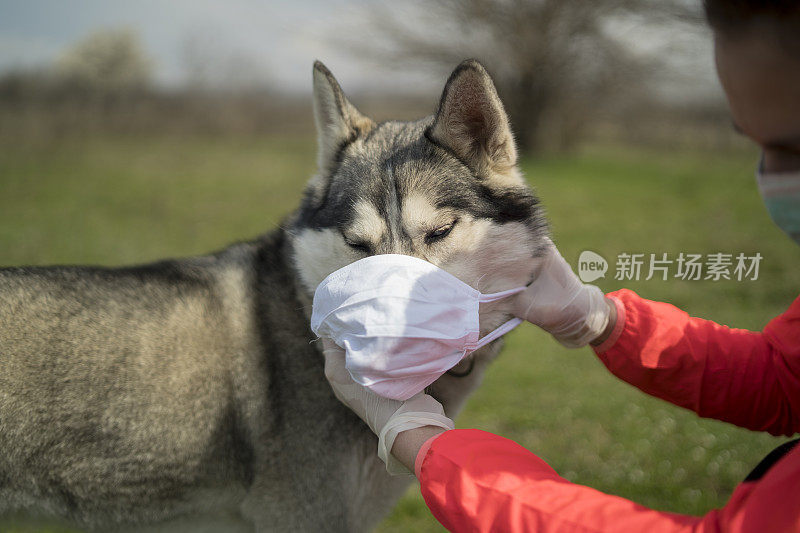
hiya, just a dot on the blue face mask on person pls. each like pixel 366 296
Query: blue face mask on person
pixel 781 194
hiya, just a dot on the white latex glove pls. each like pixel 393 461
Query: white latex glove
pixel 573 312
pixel 385 417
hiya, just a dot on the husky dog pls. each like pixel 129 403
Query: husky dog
pixel 190 393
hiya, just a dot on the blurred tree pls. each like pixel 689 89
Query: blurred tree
pixel 107 62
pixel 556 63
pixel 212 65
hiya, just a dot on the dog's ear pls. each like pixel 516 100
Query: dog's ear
pixel 338 121
pixel 472 123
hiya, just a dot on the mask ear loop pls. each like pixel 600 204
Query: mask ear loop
pixel 499 332
pixel 504 328
pixel 484 298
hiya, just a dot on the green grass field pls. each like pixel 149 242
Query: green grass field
pixel 117 201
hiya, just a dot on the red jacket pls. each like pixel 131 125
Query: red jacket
pixel 477 481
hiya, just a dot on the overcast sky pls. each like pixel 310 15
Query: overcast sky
pixel 278 39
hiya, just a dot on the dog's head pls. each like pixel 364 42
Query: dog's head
pixel 445 189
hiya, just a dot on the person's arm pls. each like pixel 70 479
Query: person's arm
pixel 750 379
pixel 408 444
pixel 476 481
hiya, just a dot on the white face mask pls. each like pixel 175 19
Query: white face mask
pixel 402 321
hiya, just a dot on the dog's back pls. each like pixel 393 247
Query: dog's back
pixel 116 384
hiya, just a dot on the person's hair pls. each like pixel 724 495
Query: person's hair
pixel 735 17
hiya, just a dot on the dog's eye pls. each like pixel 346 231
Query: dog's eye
pixel 439 233
pixel 360 246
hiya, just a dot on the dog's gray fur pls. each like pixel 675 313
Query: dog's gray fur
pixel 190 391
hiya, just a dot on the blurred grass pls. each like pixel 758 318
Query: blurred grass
pixel 131 200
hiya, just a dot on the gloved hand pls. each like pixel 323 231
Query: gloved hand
pixel 573 312
pixel 385 417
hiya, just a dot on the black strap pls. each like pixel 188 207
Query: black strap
pixel 772 457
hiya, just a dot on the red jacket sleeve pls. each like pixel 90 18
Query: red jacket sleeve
pixel 476 481
pixel 750 379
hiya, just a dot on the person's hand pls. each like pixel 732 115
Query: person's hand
pixel 385 417
pixel 573 312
